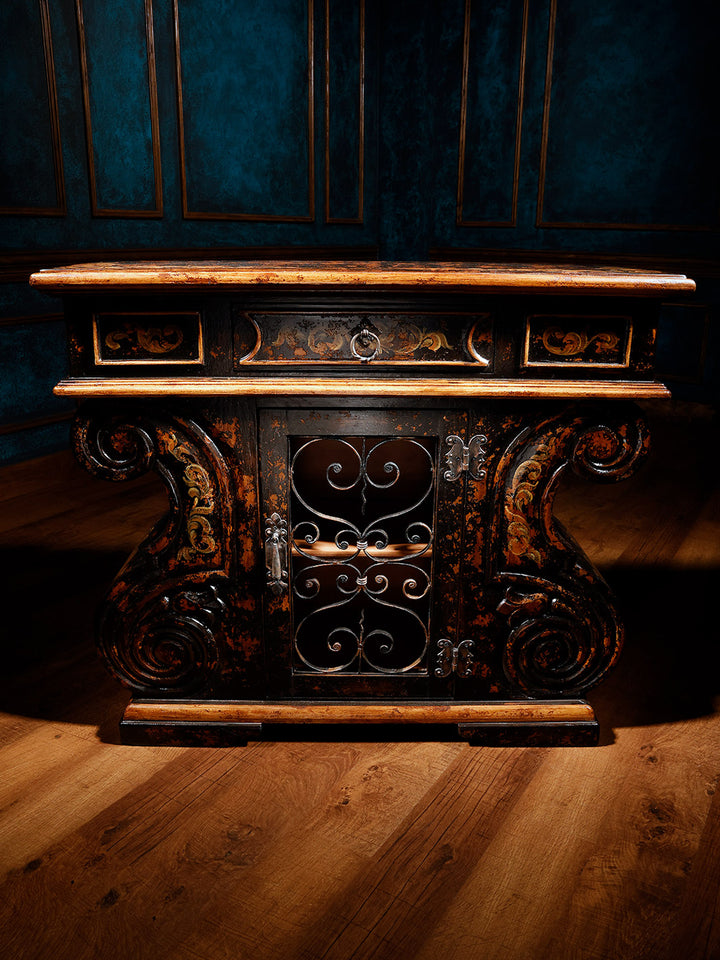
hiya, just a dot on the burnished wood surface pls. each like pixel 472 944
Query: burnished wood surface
pixel 399 712
pixel 358 386
pixel 365 847
pixel 268 275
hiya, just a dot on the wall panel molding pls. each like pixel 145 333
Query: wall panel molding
pixel 15 321
pixel 358 218
pixel 556 224
pixel 461 219
pixel 34 423
pixel 194 214
pixel 60 207
pixel 98 210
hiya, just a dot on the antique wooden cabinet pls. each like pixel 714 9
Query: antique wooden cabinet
pixel 361 461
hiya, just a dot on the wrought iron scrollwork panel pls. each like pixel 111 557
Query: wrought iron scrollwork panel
pixel 361 553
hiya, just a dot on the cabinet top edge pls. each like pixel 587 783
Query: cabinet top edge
pixel 348 275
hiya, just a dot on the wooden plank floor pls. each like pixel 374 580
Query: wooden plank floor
pixel 386 849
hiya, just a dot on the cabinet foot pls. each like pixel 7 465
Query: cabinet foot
pixel 184 733
pixel 578 734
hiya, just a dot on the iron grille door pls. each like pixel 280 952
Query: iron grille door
pixel 363 537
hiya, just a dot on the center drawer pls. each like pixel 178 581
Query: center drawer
pixel 272 339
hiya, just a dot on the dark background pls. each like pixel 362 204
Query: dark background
pixel 546 129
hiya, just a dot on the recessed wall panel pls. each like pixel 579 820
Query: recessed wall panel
pixel 31 174
pixel 120 100
pixel 491 112
pixel 245 86
pixel 630 131
pixel 344 110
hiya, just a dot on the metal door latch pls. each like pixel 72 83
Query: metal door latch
pixel 276 535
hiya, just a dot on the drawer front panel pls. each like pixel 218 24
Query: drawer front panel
pixel 277 339
pixel 571 340
pixel 149 337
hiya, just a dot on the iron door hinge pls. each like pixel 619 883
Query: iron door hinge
pixel 466 459
pixel 454 659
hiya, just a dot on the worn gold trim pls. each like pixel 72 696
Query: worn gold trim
pixel 97 211
pixel 459 217
pixel 270 217
pixel 319 386
pixel 102 361
pixel 471 348
pixel 623 365
pixel 369 711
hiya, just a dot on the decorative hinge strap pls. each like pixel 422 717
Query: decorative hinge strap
pixel 276 538
pixel 466 459
pixel 454 659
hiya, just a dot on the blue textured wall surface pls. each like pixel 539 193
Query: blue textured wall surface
pixel 409 129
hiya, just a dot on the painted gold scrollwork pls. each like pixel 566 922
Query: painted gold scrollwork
pixel 519 497
pixel 202 503
pixel 573 342
pixel 155 340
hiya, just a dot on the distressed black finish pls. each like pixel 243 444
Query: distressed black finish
pixel 380 549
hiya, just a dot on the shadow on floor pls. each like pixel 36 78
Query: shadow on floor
pixel 669 670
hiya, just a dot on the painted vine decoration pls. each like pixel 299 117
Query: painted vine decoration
pixel 202 503
pixel 519 499
pixel 155 340
pixel 574 342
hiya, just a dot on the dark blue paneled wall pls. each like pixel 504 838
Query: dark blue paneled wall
pixel 403 129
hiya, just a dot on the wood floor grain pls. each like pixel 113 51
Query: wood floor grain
pixel 341 847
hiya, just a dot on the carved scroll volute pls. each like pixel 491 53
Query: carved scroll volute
pixel 564 633
pixel 163 643
pixel 160 624
pixel 187 460
pixel 598 448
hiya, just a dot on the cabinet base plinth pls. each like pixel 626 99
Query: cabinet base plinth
pixel 233 723
pixel 528 734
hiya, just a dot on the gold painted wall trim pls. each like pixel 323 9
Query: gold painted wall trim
pixel 98 211
pixel 355 387
pixel 460 219
pixel 189 214
pixel 60 208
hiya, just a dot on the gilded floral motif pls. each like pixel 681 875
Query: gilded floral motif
pixel 202 503
pixel 155 340
pixel 328 341
pixel 574 342
pixel 519 499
